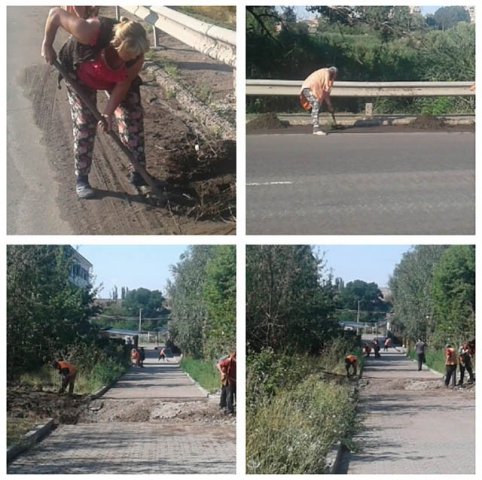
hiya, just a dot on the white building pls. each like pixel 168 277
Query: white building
pixel 81 270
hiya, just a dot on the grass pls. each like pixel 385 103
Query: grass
pixel 294 412
pixel 171 69
pixel 433 359
pixel 203 372
pixel 48 379
pixel 204 93
pixel 221 16
pixel 18 427
pixel 293 433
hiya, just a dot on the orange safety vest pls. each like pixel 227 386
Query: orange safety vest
pixel 351 359
pixel 63 364
pixel 450 357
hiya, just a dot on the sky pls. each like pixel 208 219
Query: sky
pixel 303 14
pixel 148 266
pixel 131 266
pixel 370 263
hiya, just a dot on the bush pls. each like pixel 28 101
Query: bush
pixel 295 431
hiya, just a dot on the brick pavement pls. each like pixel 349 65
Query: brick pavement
pixel 409 427
pixel 116 447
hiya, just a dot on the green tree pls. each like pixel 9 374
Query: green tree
pixel 200 315
pixel 46 312
pixel 150 301
pixel 411 285
pixel 289 303
pixel 220 296
pixel 449 17
pixel 454 295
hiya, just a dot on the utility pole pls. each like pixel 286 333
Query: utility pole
pixel 140 320
pixel 358 318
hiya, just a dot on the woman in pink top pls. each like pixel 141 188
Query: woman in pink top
pixel 315 90
pixel 101 54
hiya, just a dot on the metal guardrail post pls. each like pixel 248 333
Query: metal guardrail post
pixel 216 42
pixel 365 89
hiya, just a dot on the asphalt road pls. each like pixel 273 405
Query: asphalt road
pixel 32 190
pixel 348 183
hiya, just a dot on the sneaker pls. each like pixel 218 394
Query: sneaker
pixel 135 178
pixel 317 131
pixel 83 188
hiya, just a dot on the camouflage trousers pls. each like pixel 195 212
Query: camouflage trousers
pixel 315 106
pixel 129 117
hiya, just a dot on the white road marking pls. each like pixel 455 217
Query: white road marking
pixel 268 183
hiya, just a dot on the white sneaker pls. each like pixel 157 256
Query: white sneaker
pixel 317 131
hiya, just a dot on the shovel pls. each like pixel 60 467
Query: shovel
pixel 335 126
pixel 93 108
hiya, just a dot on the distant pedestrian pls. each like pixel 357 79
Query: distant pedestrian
pixel 142 357
pixel 227 369
pixel 367 349
pixel 387 344
pixel 162 355
pixel 376 349
pixel 351 362
pixel 450 365
pixel 420 347
pixel 315 91
pixel 465 363
pixel 68 373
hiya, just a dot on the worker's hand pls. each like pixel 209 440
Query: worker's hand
pixel 48 53
pixel 106 123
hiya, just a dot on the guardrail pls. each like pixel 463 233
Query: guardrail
pixel 365 89
pixel 216 42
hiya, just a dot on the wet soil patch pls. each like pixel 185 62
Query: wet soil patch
pixel 266 121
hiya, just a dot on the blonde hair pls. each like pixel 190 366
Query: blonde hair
pixel 130 37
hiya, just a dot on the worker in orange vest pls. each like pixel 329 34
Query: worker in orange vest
pixel 68 373
pixel 450 364
pixel 135 357
pixel 351 362
pixel 227 369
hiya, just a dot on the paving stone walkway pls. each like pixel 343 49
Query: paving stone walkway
pixel 412 427
pixel 133 447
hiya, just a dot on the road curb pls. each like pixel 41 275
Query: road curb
pixel 206 117
pixel 333 459
pixel 203 390
pixel 29 439
pixel 101 391
pixel 379 120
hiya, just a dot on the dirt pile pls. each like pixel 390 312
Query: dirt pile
pixel 413 385
pixel 152 410
pixel 427 122
pixel 264 122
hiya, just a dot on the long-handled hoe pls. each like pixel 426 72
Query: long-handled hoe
pixel 160 197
